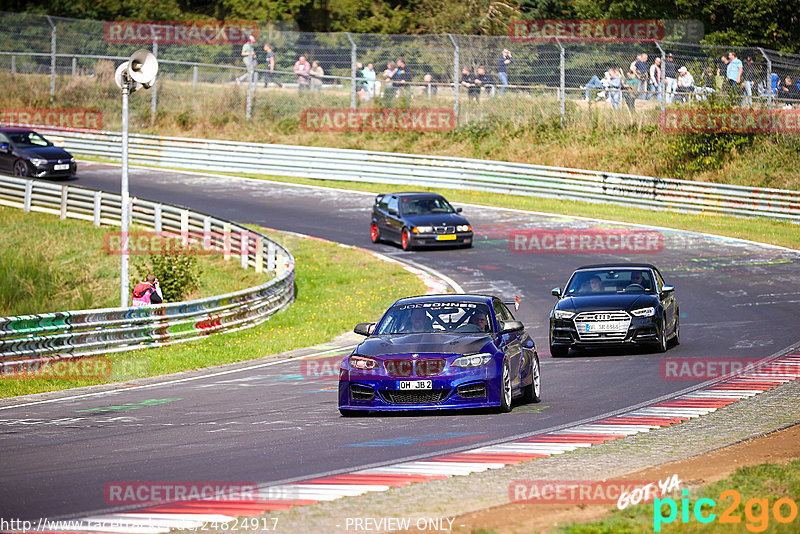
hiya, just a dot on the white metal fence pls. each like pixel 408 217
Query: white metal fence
pixel 81 333
pixel 445 172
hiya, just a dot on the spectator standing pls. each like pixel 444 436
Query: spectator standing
pixel 302 68
pixel 468 81
pixel 670 77
pixel 734 72
pixel 655 79
pixel 249 59
pixel 430 88
pixel 503 62
pixel 630 86
pixel 316 73
pixel 748 79
pixel 640 67
pixel 685 84
pixel 403 76
pixel 615 87
pixel 388 80
pixel 368 85
pixel 270 61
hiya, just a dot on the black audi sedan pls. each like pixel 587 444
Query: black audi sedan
pixel 418 220
pixel 24 152
pixel 614 305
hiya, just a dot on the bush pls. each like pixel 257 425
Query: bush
pixel 178 275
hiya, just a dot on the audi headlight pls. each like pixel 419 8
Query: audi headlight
pixel 38 162
pixel 644 312
pixel 362 363
pixel 463 228
pixel 422 229
pixel 473 360
pixel 563 314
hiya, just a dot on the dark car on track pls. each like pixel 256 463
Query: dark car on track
pixel 438 352
pixel 24 152
pixel 613 305
pixel 418 220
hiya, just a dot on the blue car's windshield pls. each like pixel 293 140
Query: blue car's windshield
pixel 436 317
pixel 600 281
pixel 27 139
pixel 425 205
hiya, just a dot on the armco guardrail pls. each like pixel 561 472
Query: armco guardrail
pixel 81 333
pixel 435 171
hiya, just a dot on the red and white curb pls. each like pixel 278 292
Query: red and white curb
pixel 193 514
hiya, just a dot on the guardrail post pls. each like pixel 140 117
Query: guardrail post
pixel 244 242
pixel 154 92
pixel 52 56
pixel 97 208
pixel 206 232
pixel 185 227
pixel 74 67
pixel 456 72
pixel 769 76
pixel 259 255
pixel 158 218
pixel 562 82
pixel 194 77
pixel 64 192
pixel 270 257
pixel 13 65
pixel 226 241
pixel 26 204
pixel 353 60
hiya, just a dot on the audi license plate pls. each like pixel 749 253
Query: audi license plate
pixel 447 237
pixel 414 384
pixel 61 166
pixel 606 326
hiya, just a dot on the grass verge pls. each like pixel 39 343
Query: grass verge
pixel 759 488
pixel 65 267
pixel 336 287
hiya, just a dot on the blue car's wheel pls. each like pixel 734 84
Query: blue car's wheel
pixel 21 168
pixel 533 391
pixel 505 389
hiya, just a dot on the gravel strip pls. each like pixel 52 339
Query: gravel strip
pixel 749 418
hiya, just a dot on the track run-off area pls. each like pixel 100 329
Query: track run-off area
pixel 267 423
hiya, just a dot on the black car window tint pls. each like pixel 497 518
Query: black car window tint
pixel 507 312
pixel 393 203
pixel 500 311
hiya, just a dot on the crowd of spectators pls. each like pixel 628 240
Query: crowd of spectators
pixel 642 80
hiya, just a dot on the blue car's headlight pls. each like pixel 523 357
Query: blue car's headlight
pixel 38 162
pixel 473 360
pixel 362 363
pixel 644 312
pixel 563 314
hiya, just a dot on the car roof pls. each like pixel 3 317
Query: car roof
pixel 12 129
pixel 409 194
pixel 449 297
pixel 617 266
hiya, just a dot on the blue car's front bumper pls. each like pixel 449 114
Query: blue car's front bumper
pixel 453 388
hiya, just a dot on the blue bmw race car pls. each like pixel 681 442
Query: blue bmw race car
pixel 437 352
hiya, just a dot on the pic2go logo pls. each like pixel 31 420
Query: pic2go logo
pixel 756 511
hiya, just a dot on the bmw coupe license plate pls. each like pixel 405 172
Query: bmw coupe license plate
pixel 61 166
pixel 414 384
pixel 447 237
pixel 606 326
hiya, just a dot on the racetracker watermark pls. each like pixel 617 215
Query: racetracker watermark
pixel 180 31
pixel 586 31
pixel 730 121
pixel 62 369
pixel 183 244
pixel 321 368
pixel 696 369
pixel 81 119
pixel 377 120
pixel 573 491
pixel 138 492
pixel 585 241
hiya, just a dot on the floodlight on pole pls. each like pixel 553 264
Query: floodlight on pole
pixel 138 72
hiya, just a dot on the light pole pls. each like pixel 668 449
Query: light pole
pixel 139 71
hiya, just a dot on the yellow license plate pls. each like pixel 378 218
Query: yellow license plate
pixel 448 237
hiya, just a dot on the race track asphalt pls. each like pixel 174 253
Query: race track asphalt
pixel 270 423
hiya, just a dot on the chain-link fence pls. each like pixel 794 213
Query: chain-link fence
pixel 66 63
